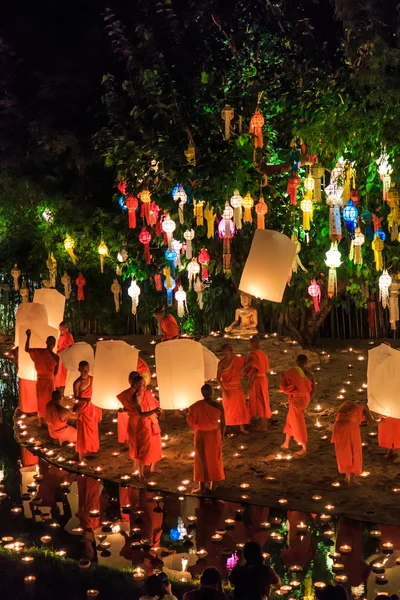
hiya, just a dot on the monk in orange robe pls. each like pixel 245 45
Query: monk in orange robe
pixel 56 419
pixel 123 418
pixel 257 367
pixel 299 387
pixel 87 424
pixel 389 437
pixel 347 438
pixel 148 431
pixel 124 414
pixel 89 500
pixel 230 374
pixel 46 365
pixel 169 326
pixel 64 341
pixel 206 417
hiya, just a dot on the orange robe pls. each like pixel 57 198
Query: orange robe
pixel 143 370
pixel 170 329
pixel 259 396
pixel 64 341
pixel 87 423
pixel 296 384
pixel 88 499
pixel 128 421
pixel 233 398
pixel 389 433
pixel 58 426
pixel 347 437
pixel 205 420
pixel 148 433
pixel 44 366
pixel 123 418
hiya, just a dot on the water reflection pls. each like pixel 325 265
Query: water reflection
pixel 117 525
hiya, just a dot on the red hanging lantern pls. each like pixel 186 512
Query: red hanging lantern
pixel 80 282
pixel 377 221
pixel 158 282
pixel 256 125
pixel 354 197
pixel 315 292
pixel 131 204
pixel 122 187
pixel 145 239
pixel 154 212
pixel 293 184
pixel 204 259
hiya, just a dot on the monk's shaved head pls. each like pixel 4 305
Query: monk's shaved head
pixel 207 391
pixel 302 360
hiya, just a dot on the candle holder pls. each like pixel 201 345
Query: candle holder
pixel 29 584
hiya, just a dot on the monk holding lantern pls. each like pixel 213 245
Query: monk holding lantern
pixel 46 366
pixel 230 374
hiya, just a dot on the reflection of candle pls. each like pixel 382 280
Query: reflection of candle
pixel 202 553
pixel 319 585
pixel 341 578
pixel 216 537
pixel 387 548
pixel 337 567
pixel 27 560
pixel 92 593
pixel 29 583
pixel 45 539
pixel 345 549
pixel 375 533
pixel 378 568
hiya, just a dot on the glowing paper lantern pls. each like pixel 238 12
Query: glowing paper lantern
pixel 350 215
pixel 256 125
pixel 180 196
pixel 210 364
pixel 333 261
pixel 355 248
pixel 317 172
pixel 261 210
pixel 383 377
pixel 180 297
pixel 378 246
pixel 198 212
pixel 227 113
pixel 226 230
pixel 134 293
pixel 385 281
pixel 71 357
pixel 204 259
pixel 248 204
pixel 293 184
pixel 145 197
pixel 188 235
pixel 237 203
pixel 69 246
pixel 158 282
pixel 28 315
pixel 15 274
pixel 268 265
pixel 385 169
pixel 80 282
pixel 199 289
pixel 315 292
pixel 179 387
pixel 103 252
pixel 210 218
pixel 40 333
pixel 66 281
pixel 307 208
pixel 54 303
pixel 177 247
pixel 193 270
pixel 131 204
pixel 168 226
pixel 113 362
pixel 145 239
pixel 334 200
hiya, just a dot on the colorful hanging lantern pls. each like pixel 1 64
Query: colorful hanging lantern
pixel 366 218
pixel 116 291
pixel 334 201
pixel 103 252
pixel 134 293
pixel 315 292
pixel 169 285
pixel 261 210
pixel 227 114
pixel 177 247
pixel 198 211
pixel 307 208
pixel 131 204
pixel 355 247
pixel 377 223
pixel 248 204
pixel 393 223
pixel 394 303
pixel 384 169
pixel 153 217
pixel 378 246
pixel 210 218
pixel 193 270
pixel 51 264
pixel 226 230
pixel 15 274
pixel 293 184
pixel 333 261
pixel 199 289
pixel 122 187
pixel 69 246
pixel 122 255
pixel 350 215
pixel 180 196
pixel 169 227
pixel 158 282
pixel 190 154
pixel 309 186
pixel 145 198
pixel 188 235
pixel 66 281
pixel 170 255
pixel 180 297
pixel 297 260
pixel 204 259
pixel 385 281
pixel 317 172
pixel 145 239
pixel 256 125
pixel 237 203
pixel 80 282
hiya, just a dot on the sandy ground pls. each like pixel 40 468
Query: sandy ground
pixel 270 480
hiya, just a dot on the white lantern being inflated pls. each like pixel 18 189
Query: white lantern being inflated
pixel 71 357
pixel 40 333
pixel 384 381
pixel 268 265
pixel 29 314
pixel 114 360
pixel 54 303
pixel 180 373
pixel 210 364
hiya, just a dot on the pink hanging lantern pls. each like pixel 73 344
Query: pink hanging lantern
pixel 204 259
pixel 145 239
pixel 315 292
pixel 131 204
pixel 80 282
pixel 122 187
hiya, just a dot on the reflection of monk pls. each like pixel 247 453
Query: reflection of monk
pixel 246 319
pixel 230 373
pixel 89 500
pixel 301 547
pixel 349 533
pixel 257 367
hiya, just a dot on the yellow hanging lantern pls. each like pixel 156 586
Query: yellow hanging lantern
pixel 103 252
pixel 66 281
pixel 307 208
pixel 317 172
pixel 261 210
pixel 198 211
pixel 309 185
pixel 168 278
pixel 69 246
pixel 248 204
pixel 145 197
pixel 355 247
pixel 227 113
pixel 190 154
pixel 377 246
pixel 210 218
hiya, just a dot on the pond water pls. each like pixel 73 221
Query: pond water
pixel 111 524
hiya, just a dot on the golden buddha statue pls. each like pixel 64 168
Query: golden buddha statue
pixel 246 319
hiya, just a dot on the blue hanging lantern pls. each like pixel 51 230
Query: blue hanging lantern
pixel 176 189
pixel 171 256
pixel 379 232
pixel 170 290
pixel 350 215
pixel 121 202
pixel 366 218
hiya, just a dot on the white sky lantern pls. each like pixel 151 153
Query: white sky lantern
pixel 71 357
pixel 210 364
pixel 28 315
pixel 40 333
pixel 134 293
pixel 180 373
pixel 169 226
pixel 268 265
pixel 54 303
pixel 114 360
pixel 237 203
pixel 383 377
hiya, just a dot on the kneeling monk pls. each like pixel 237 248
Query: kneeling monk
pixel 230 374
pixel 56 419
pixel 88 415
pixel 299 387
pixel 347 438
pixel 206 417
pixel 257 367
pixel 148 431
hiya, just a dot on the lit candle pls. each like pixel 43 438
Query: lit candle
pixel 139 576
pixel 45 539
pixel 115 453
pixel 193 519
pixel 61 553
pixel 27 560
pixel 16 511
pixel 244 497
pixel 105 545
pixel 125 477
pixel 325 518
pixel 365 474
pixel 387 548
pixel 244 485
pixel 92 593
pixel 243 448
pixel 217 537
pixel 94 513
pixel 334 555
pixel 265 525
pixel 337 567
pixel 266 555
pixel 375 533
pixel 329 507
pixel 181 488
pixel 318 408
pixel 336 484
pixel 230 522
pixel 295 583
pixel 381 580
pixel 295 568
pixel 328 533
pixel 282 501
pixel 319 585
pixel 345 549
pixel 341 578
pixel 29 583
pixel 378 568
pixel 317 498
pixel 185 482
pixel 301 527
pixel 202 553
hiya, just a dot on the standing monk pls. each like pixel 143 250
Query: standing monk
pixel 230 374
pixel 46 365
pixel 298 383
pixel 88 417
pixel 257 367
pixel 389 437
pixel 169 326
pixel 347 438
pixel 64 341
pixel 128 418
pixel 56 419
pixel 148 431
pixel 206 417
